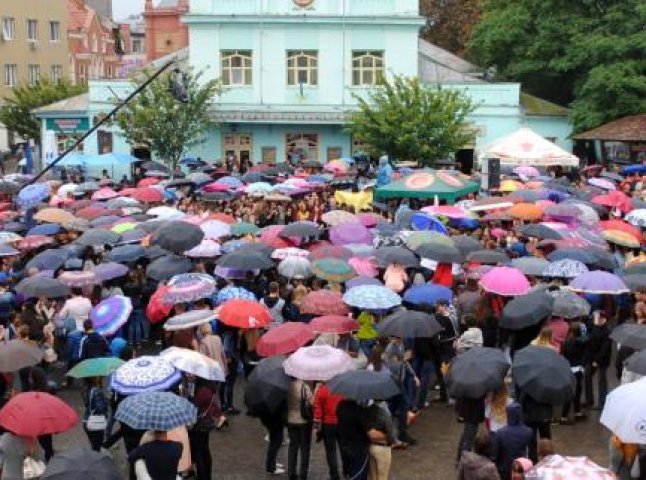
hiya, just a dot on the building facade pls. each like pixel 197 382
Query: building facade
pixel 165 31
pixel 33 45
pixel 133 33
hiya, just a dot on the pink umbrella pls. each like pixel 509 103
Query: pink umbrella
pixel 527 171
pixel 498 232
pixel 449 211
pixel 346 233
pixel 317 363
pixel 216 187
pixel 556 467
pixel 366 267
pixel 505 281
pixel 79 279
pixel 369 219
pixel 614 199
pixel 602 183
pixel 269 236
pixel 105 193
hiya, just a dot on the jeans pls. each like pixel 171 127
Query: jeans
pixel 380 459
pixel 539 428
pixel 331 442
pixel 468 437
pixel 602 385
pixel 201 454
pixel 425 370
pixel 300 441
pixel 138 327
pixel 96 438
pixel 399 412
pixel 226 389
pixel 578 386
pixel 275 428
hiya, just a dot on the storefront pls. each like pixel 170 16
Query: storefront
pixel 67 131
pixel 621 141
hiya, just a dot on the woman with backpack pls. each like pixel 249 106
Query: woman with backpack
pixel 300 418
pixel 96 414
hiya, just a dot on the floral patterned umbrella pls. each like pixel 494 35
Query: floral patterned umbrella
pixel 566 268
pixel 109 315
pixel 188 287
pixel 323 302
pixel 144 374
pixel 372 297
pixel 556 467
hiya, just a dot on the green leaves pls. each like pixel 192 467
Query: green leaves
pixel 155 119
pixel 410 121
pixel 16 113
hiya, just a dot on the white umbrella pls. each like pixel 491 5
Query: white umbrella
pixel 190 319
pixel 295 267
pixel 193 362
pixel 166 213
pixel 65 189
pixel 625 412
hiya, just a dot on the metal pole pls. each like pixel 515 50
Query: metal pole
pixel 138 90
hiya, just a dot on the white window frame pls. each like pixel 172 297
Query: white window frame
pixel 8 28
pixel 10 74
pixel 54 31
pixel 56 73
pixel 137 45
pixel 297 73
pixel 33 72
pixel 32 30
pixel 239 74
pixel 367 75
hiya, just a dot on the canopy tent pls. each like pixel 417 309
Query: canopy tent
pixel 428 183
pixel 526 147
pixel 71 160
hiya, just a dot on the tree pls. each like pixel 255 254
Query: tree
pixel 168 127
pixel 450 22
pixel 584 53
pixel 411 121
pixel 16 114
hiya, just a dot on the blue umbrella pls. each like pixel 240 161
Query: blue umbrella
pixel 464 223
pixel 427 294
pixel 14 227
pixel 45 229
pixel 372 297
pixel 424 221
pixel 231 182
pixel 48 260
pixel 32 195
pixel 632 169
pixel 160 411
pixel 144 374
pixel 127 253
pixel 233 245
pixel 230 293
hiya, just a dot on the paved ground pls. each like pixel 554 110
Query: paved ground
pixel 239 449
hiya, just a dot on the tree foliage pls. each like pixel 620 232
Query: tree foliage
pixel 157 120
pixel 16 114
pixel 585 53
pixel 450 22
pixel 411 121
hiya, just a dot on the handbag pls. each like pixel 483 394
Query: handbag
pixel 32 468
pixel 307 409
pixel 96 423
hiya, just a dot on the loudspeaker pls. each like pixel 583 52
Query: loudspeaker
pixel 490 173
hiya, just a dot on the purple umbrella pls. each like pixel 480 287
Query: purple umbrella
pixel 110 271
pixel 109 315
pixel 78 278
pixel 188 287
pixel 105 221
pixel 233 273
pixel 350 232
pixel 602 183
pixel 599 282
pixel 562 213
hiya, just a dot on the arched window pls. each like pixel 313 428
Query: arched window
pixel 236 67
pixel 367 67
pixel 302 67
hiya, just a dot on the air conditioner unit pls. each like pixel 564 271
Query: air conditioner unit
pixel 33 44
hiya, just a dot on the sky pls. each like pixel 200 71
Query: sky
pixel 123 8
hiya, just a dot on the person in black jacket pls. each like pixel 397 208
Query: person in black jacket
pixel 598 360
pixel 473 412
pixel 511 441
pixel 538 417
pixel 93 344
pixel 446 338
pixel 573 350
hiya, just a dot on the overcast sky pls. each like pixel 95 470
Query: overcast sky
pixel 123 8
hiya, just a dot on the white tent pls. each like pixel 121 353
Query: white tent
pixel 526 147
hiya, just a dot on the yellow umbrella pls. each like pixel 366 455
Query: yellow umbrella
pixel 53 215
pixel 509 186
pixel 619 237
pixel 122 228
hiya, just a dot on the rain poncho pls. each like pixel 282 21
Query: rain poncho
pixel 385 172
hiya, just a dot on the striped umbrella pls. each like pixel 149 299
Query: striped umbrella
pixel 109 315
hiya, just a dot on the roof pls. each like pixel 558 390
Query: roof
pixel 79 15
pixel 626 129
pixel 437 65
pixel 537 106
pixel 79 103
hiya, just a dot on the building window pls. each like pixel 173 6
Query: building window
pixel 269 155
pixel 95 44
pixel 82 74
pixel 54 31
pixel 56 73
pixel 34 74
pixel 334 153
pixel 137 45
pixel 367 67
pixel 32 30
pixel 11 75
pixel 302 67
pixel 8 28
pixel 302 146
pixel 236 67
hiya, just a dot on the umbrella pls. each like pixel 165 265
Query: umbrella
pixel 144 374
pixel 621 238
pixel 350 232
pixel 635 282
pixel 631 335
pixel 637 217
pixel 98 237
pixel 300 230
pixel 32 195
pixel 160 411
pixel 636 363
pixel 317 363
pixel 505 281
pixel 244 314
pixel 569 305
pixel 565 268
pixel 396 255
pixel 361 280
pixel 363 385
pixel 32 242
pixel 364 266
pixel 337 217
pixel 32 414
pixel 9 237
pixel 36 287
pixel 245 260
pixel 336 324
pixel 527 310
pixel 625 410
pixel 95 367
pixel 488 257
pixel 53 215
pixel 530 265
pixel 543 374
pixel 427 294
pixel 525 211
pixel 466 244
pixel 554 467
pixel 283 253
pixel 206 249
pixel 599 282
pixel 194 363
pixel 190 319
pixel 188 287
pixel 577 254
pixel 540 231
pixel 81 464
pixel 127 253
pixel 165 267
pixel 44 229
pixel 323 302
pixel 424 221
pixel 409 324
pixel 283 339
pixel 177 236
pixel 244 228
pixel 50 259
pixel 231 292
pixel 147 195
pixel 267 386
pixel 7 251
pixel 623 227
pixel 324 250
pixel 9 188
pixel 476 372
pixel 111 314
pixel 372 297
pixel 215 229
pixel 440 253
pixel 602 183
pixel 110 271
pixel 295 267
pixel 16 354
pixel 78 278
pixel 333 270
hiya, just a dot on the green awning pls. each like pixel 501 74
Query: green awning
pixel 428 183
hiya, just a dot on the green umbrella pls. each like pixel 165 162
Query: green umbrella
pixel 96 367
pixel 244 228
pixel 333 270
pixel 428 183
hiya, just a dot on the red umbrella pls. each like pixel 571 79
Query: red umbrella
pixel 32 414
pixel 5 206
pixel 157 310
pixel 32 242
pixel 223 217
pixel 244 313
pixel 148 195
pixel 623 227
pixel 333 324
pixel 330 251
pixel 284 339
pixel 614 199
pixel 269 236
pixel 90 213
pixel 216 187
pixel 323 302
pixel 147 182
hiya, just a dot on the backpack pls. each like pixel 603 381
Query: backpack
pixel 97 404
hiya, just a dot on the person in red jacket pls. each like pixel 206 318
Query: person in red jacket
pixel 325 425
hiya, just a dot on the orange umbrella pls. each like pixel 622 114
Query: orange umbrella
pixel 53 215
pixel 526 211
pixel 619 237
pixel 623 227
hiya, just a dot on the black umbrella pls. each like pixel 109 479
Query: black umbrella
pixel 37 286
pixel 155 252
pixel 151 165
pixel 81 464
pixel 97 237
pixel 399 255
pixel 409 324
pixel 477 371
pixel 300 230
pixel 48 260
pixel 177 236
pixel 245 260
pixel 540 231
pixel 631 335
pixel 578 254
pixel 527 310
pixel 488 257
pixel 267 386
pixel 466 244
pixel 151 225
pixel 386 229
pixel 178 182
pixel 543 374
pixel 16 354
pixel 311 164
pixel 127 253
pixel 440 253
pixel 253 177
pixel 263 248
pixel 635 281
pixel 603 259
pixel 9 188
pixel 165 267
pixel 215 196
pixel 569 305
pixel 636 363
pixel 363 385
pixel 530 265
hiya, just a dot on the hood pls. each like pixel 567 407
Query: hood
pixel 514 414
pixel 383 160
